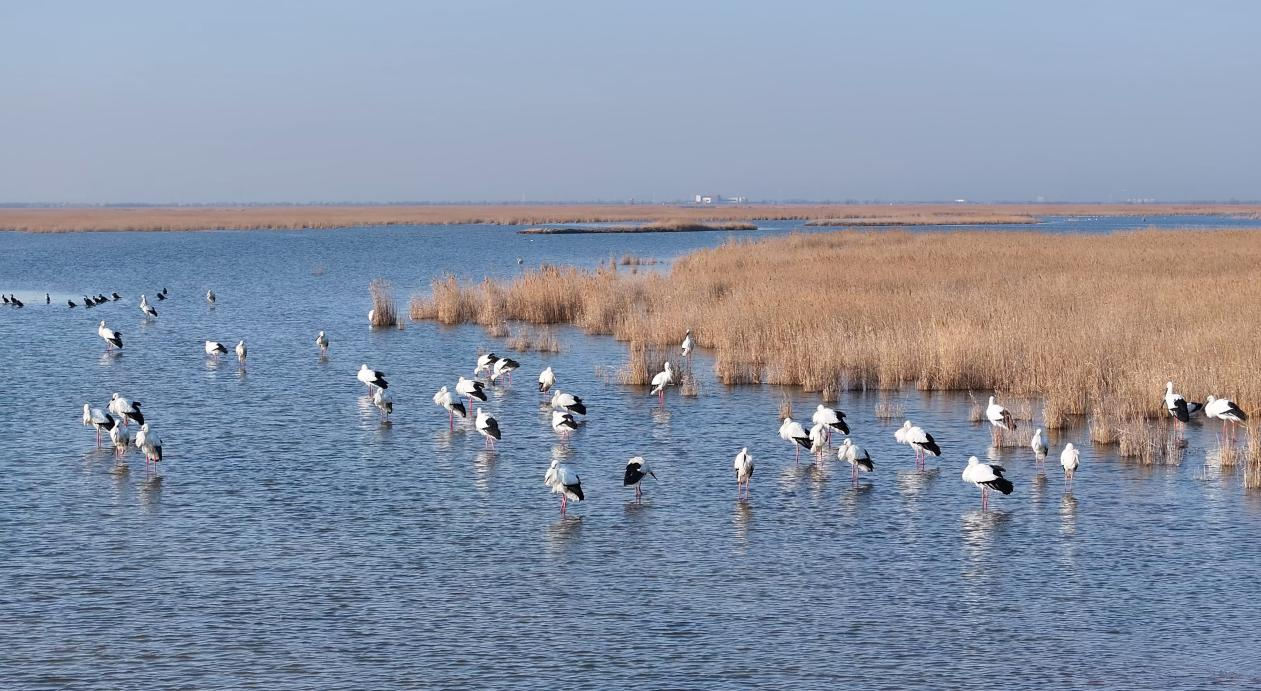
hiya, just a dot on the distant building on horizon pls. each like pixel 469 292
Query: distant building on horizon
pixel 718 199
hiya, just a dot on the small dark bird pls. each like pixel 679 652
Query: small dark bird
pixel 161 296
pixel 16 302
pixel 71 303
pixel 116 296
pixel 87 302
pixel 48 299
pixel 5 298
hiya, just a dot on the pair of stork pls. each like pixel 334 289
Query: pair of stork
pixel 1214 408
pixel 562 479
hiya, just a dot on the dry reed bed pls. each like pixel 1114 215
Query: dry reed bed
pixel 75 219
pixel 671 226
pixel 1082 322
pixel 384 311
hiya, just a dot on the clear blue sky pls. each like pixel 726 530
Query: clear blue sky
pixel 303 101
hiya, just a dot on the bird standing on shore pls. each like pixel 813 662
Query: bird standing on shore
pixel 986 476
pixel 744 472
pixel 636 470
pixel 794 433
pixel 1070 459
pixel 112 337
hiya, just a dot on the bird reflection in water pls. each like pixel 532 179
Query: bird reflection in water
pixel 742 517
pixel 563 531
pixel 151 492
pixel 978 530
pixel 483 468
pixel 1068 515
pixel 912 484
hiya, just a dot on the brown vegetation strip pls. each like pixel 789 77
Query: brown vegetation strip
pixel 674 226
pixel 1087 323
pixel 71 219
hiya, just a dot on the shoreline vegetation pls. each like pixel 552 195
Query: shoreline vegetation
pixel 672 226
pixel 172 218
pixel 1084 325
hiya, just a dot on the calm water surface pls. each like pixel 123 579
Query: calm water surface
pixel 295 541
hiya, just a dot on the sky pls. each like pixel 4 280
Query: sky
pixel 226 101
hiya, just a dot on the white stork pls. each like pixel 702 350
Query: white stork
pixel 562 480
pixel 986 476
pixel 636 470
pixel 744 471
pixel 794 433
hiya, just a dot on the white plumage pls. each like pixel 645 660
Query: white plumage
pixel 688 344
pixel 919 440
pixel 371 378
pixel 383 401
pixel 1070 459
pixel 241 352
pixel 488 427
pixel 470 389
pixel 563 422
pixel 147 309
pixel 126 410
pixel 150 443
pixel 1038 445
pixel 215 348
pixel 562 480
pixel 547 379
pixel 112 337
pixel 568 401
pixel 451 404
pixel 999 416
pixel 121 439
pixel 98 419
pixel 661 380
pixel 322 341
pixel 744 471
pixel 986 477
pixel 794 433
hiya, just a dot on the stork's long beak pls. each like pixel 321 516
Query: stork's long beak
pixel 654 475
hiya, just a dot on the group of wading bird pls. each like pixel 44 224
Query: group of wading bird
pixel 562 479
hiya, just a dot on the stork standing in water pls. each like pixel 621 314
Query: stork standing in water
pixel 687 345
pixel 371 378
pixel 503 367
pixel 744 472
pixel 322 341
pixel 987 477
pixel 241 352
pixel 794 433
pixel 150 443
pixel 833 419
pixel 488 427
pixel 636 470
pixel 1070 459
pixel 485 364
pixel 451 404
pixel 1000 418
pixel 1225 410
pixel 384 402
pixel 121 439
pixel 562 480
pixel 569 402
pixel 1039 448
pixel 547 379
pixel 147 309
pixel 918 439
pixel 857 458
pixel 661 380
pixel 210 296
pixel 126 410
pixel 470 389
pixel 818 441
pixel 214 349
pixel 563 422
pixel 99 419
pixel 112 337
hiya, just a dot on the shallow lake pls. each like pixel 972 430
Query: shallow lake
pixel 295 541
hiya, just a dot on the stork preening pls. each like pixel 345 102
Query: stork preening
pixel 111 337
pixel 470 389
pixel 562 480
pixel 150 443
pixel 503 367
pixel 214 349
pixel 661 380
pixel 919 440
pixel 371 378
pixel 987 477
pixel 1000 418
pixel 384 403
pixel 126 410
pixel 636 470
pixel 121 439
pixel 547 379
pixel 818 441
pixel 569 402
pixel 563 422
pixel 857 458
pixel 322 342
pixel 833 419
pixel 451 404
pixel 1039 447
pixel 1225 410
pixel 485 364
pixel 1070 458
pixel 744 472
pixel 210 296
pixel 99 419
pixel 488 427
pixel 794 433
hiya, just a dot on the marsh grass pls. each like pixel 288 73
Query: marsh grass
pixel 384 311
pixel 1252 458
pixel 1116 315
pixel 635 260
pixel 1149 443
pixel 644 362
pixel 889 410
pixel 536 341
